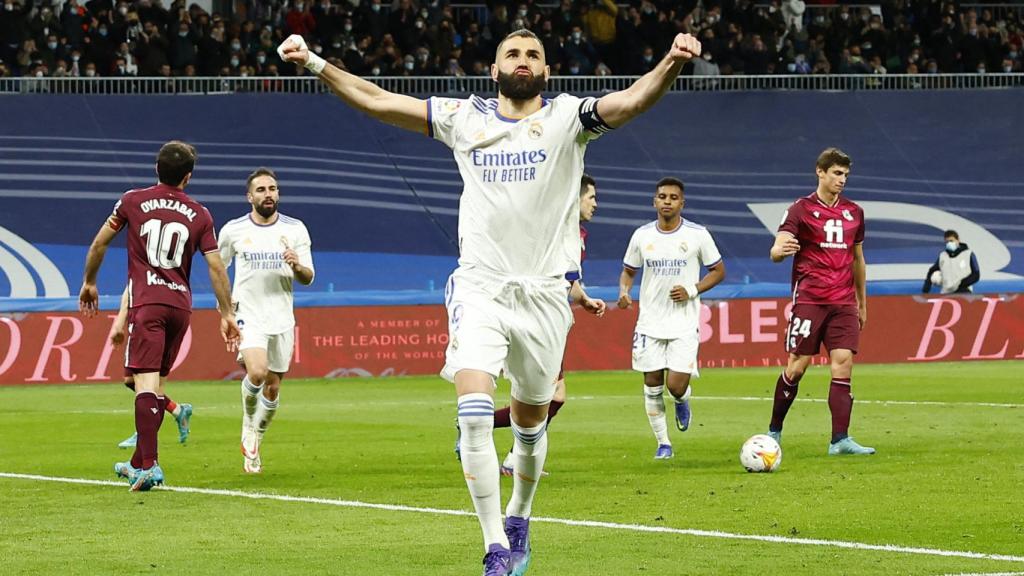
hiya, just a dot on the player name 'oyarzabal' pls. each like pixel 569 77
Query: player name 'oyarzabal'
pixel 165 204
pixel 154 280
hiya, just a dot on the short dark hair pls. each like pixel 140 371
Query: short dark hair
pixel 521 33
pixel 261 171
pixel 833 157
pixel 951 233
pixel 585 181
pixel 175 160
pixel 670 181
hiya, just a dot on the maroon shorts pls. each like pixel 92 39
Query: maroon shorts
pixel 837 326
pixel 155 333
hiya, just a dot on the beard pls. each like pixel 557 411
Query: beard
pixel 266 211
pixel 515 87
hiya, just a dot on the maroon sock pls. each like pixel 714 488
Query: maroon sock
pixel 553 409
pixel 148 415
pixel 785 394
pixel 169 405
pixel 503 417
pixel 840 402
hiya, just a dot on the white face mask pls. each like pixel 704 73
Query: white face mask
pixel 300 6
pixel 952 245
pixel 375 71
pixel 410 65
pixel 577 36
pixel 236 46
pixel 39 73
pixel 348 27
pixel 8 7
pixel 182 33
pixel 234 62
pixel 375 7
pixel 419 24
pixel 574 70
pixel 51 45
pixel 1007 69
pixel 90 72
pixel 261 59
pixel 75 57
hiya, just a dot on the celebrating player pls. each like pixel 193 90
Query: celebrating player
pixel 670 251
pixel 270 250
pixel 520 157
pixel 824 232
pixel 165 228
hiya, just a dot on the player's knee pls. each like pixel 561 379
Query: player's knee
pixel 257 374
pixel 653 379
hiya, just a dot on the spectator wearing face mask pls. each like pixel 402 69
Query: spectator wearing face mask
pixel 13 25
pixel 182 47
pixel 579 49
pixel 956 268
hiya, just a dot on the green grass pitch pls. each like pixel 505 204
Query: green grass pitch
pixel 948 479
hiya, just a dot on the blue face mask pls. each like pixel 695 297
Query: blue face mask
pixel 952 245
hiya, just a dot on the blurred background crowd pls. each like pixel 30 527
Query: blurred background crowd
pixel 47 38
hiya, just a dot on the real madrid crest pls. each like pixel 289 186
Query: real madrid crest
pixel 847 215
pixel 816 214
pixel 683 247
pixel 535 131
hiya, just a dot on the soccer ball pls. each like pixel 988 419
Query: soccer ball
pixel 761 453
pixel 936 278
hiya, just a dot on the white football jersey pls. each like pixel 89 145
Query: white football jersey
pixel 519 210
pixel 669 259
pixel 262 289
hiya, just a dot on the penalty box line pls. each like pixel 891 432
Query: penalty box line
pixel 561 521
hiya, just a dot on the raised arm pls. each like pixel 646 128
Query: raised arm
pixel 620 107
pixel 395 109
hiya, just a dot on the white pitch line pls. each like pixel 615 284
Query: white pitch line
pixel 822 400
pixel 988 574
pixel 562 521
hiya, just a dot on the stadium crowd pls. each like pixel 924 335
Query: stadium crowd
pixel 47 38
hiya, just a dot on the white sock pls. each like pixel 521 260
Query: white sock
pixel 264 413
pixel 250 395
pixel 655 404
pixel 530 451
pixel 480 464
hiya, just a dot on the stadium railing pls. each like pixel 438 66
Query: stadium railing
pixel 484 85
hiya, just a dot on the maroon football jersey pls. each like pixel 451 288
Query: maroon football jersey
pixel 165 228
pixel 822 269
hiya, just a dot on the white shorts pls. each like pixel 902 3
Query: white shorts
pixel 279 347
pixel 676 354
pixel 513 324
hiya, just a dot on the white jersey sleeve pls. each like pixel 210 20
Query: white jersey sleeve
pixel 304 247
pixel 443 119
pixel 633 259
pixel 709 254
pixel 226 245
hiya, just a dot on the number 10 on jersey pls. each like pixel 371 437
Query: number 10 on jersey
pixel 165 242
